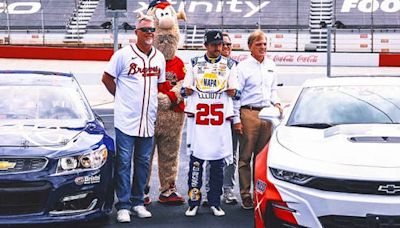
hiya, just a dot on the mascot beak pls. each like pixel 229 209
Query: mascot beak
pixel 181 15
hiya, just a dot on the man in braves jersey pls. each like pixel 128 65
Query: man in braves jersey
pixel 132 76
pixel 210 84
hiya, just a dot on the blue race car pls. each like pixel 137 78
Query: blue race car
pixel 56 159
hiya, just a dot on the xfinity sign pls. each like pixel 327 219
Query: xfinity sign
pixel 368 6
pixel 20 7
pixel 229 6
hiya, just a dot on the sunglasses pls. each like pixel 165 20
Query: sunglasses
pixel 147 29
pixel 227 44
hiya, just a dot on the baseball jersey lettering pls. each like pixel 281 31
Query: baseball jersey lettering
pixel 146 72
pixel 209 129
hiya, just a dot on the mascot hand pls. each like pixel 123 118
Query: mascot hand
pixel 164 103
pixel 177 90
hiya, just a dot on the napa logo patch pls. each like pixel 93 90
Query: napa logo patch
pixel 210 82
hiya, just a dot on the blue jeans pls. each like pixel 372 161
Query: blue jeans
pixel 195 181
pixel 130 190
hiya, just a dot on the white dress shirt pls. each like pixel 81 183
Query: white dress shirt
pixel 258 84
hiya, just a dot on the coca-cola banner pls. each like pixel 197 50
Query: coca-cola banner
pixel 300 58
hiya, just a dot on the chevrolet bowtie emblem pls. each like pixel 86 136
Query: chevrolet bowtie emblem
pixel 389 188
pixel 5 165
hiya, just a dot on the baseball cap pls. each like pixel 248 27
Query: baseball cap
pixel 213 37
pixel 158 4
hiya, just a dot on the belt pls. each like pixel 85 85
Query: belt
pixel 252 107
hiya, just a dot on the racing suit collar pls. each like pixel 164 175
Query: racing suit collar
pixel 212 60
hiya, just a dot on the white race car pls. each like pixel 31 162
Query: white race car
pixel 334 160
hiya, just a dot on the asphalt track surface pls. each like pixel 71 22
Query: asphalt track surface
pixel 167 216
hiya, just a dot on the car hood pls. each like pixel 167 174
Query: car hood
pixel 45 142
pixel 357 145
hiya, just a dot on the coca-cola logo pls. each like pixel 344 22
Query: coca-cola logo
pixel 283 58
pixel 307 59
pixel 288 58
pixel 240 57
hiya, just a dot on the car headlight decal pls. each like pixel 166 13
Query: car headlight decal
pixel 292 177
pixel 87 161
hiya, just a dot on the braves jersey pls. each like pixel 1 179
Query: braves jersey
pixel 211 75
pixel 175 72
pixel 137 77
pixel 208 126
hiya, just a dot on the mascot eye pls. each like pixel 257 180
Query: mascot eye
pixel 168 11
pixel 159 13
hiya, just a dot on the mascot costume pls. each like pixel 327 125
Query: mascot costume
pixel 170 116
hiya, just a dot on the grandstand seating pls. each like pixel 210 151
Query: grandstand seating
pixel 56 14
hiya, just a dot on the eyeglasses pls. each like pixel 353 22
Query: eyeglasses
pixel 147 29
pixel 227 44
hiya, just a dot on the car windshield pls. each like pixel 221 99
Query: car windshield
pixel 33 99
pixel 323 107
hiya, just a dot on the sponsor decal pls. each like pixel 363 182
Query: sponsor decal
pixel 248 8
pixel 87 180
pixel 79 180
pixel 211 81
pixel 261 186
pixel 194 194
pixel 195 174
pixel 5 165
pixel 389 188
pixel 289 58
pixel 368 6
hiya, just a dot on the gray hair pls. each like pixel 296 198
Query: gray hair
pixel 143 17
pixel 256 35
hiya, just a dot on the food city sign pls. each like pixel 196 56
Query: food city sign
pixel 20 7
pixel 368 6
pixel 232 6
